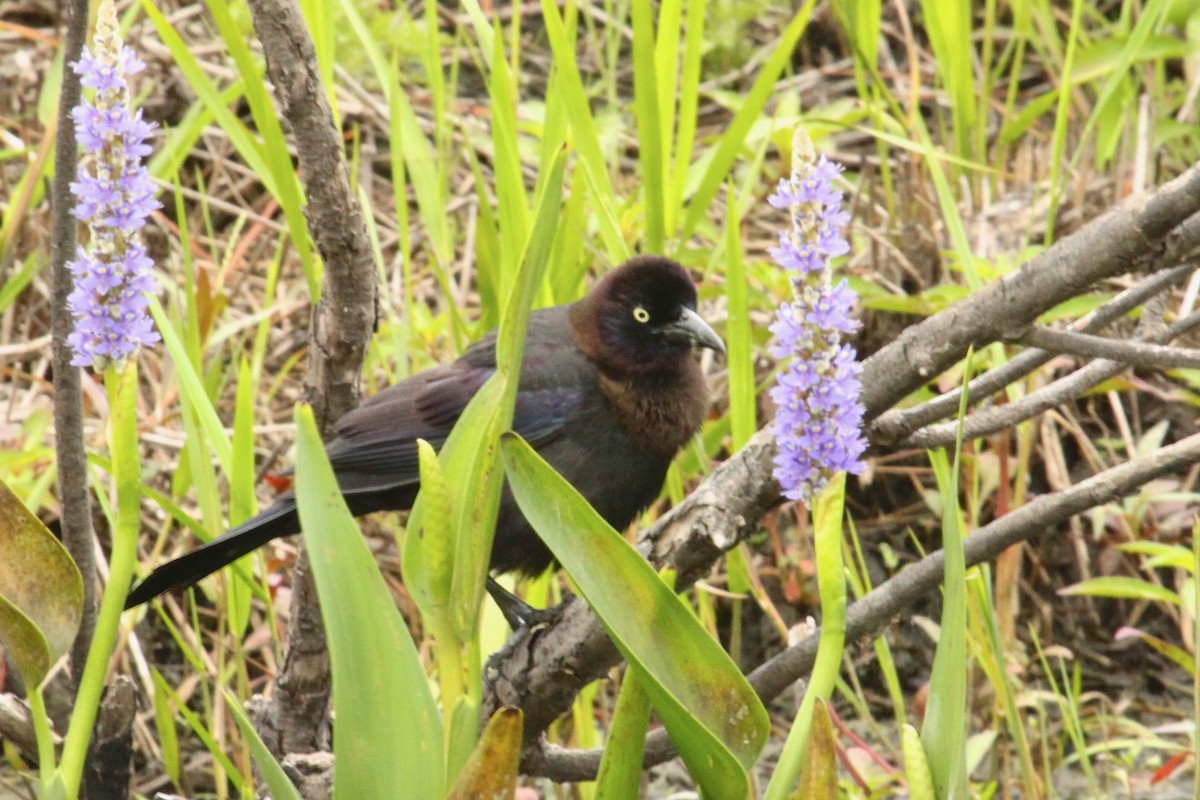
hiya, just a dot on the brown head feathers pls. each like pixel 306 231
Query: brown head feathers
pixel 640 319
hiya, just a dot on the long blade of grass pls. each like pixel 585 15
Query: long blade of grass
pixel 587 141
pixel 732 141
pixel 389 732
pixel 944 729
pixel 828 514
pixel 647 104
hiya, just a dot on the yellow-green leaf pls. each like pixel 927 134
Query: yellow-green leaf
pixel 1124 587
pixel 713 716
pixel 388 732
pixel 620 772
pixel 916 765
pixel 41 591
pixel 818 777
pixel 491 772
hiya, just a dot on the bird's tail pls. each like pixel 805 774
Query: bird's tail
pixel 278 520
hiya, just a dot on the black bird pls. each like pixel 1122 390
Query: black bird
pixel 610 390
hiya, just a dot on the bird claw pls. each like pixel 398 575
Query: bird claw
pixel 520 615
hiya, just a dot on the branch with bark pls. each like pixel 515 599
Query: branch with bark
pixel 342 324
pixel 1155 234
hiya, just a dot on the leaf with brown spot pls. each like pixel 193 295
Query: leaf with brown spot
pixel 41 591
pixel 818 778
pixel 491 772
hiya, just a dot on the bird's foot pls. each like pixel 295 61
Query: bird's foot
pixel 519 614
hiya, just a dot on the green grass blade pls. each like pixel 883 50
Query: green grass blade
pixel 587 141
pixel 647 103
pixel 620 774
pixel 743 399
pixel 828 514
pixel 214 431
pixel 389 732
pixel 734 138
pixel 713 716
pixel 277 781
pixel 944 729
pixel 689 103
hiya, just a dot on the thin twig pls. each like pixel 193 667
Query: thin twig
pixel 1138 354
pixel 869 615
pixel 997 418
pixel 68 397
pixel 898 424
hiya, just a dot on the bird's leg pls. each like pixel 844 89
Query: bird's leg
pixel 516 611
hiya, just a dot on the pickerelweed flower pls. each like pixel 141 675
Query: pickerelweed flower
pixel 818 424
pixel 112 273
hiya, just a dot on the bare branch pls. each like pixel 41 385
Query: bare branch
pixel 68 397
pixel 1131 237
pixel 542 673
pixel 997 418
pixel 341 330
pixel 896 425
pixel 1131 353
pixel 868 616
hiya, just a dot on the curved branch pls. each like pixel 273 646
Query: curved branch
pixel 868 616
pixel 1130 353
pixel 987 421
pixel 543 672
pixel 896 425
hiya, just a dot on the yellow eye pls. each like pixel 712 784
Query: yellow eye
pixel 641 314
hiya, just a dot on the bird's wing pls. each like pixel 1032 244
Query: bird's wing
pixel 380 437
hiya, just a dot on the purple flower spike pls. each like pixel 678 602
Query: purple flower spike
pixel 818 425
pixel 114 196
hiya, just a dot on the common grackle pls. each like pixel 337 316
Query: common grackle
pixel 609 392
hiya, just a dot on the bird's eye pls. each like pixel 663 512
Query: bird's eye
pixel 641 314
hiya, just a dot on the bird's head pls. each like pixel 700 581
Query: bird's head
pixel 641 318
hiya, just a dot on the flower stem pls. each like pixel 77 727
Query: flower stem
pixel 121 383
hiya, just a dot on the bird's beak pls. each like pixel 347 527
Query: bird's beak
pixel 695 331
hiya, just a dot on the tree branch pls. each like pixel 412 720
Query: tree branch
pixel 897 424
pixel 987 421
pixel 1130 238
pixel 1130 353
pixel 543 672
pixel 868 616
pixel 342 324
pixel 71 458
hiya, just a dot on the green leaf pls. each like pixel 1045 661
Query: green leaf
pixel 647 103
pixel 713 716
pixel 734 138
pixel 743 401
pixel 916 765
pixel 620 774
pixel 388 732
pixel 587 140
pixel 272 773
pixel 1122 587
pixel 491 772
pixel 164 725
pixel 469 457
pixel 41 591
pixel 828 514
pixel 819 776
pixel 242 502
pixel 944 729
pixel 1161 554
